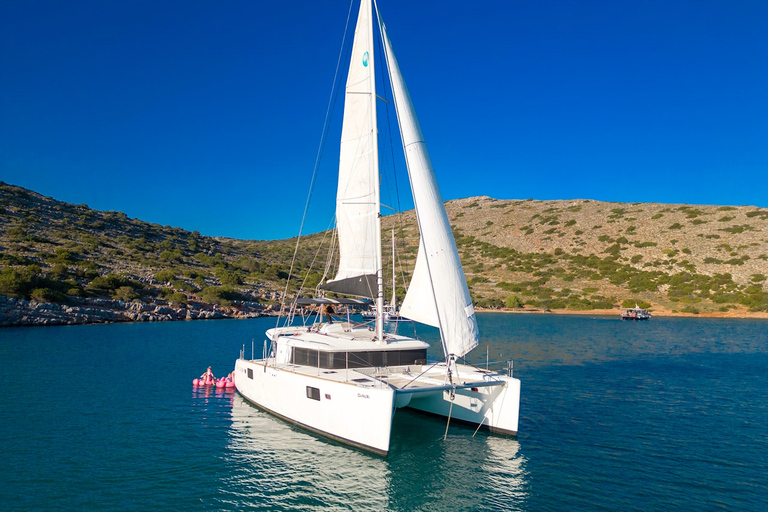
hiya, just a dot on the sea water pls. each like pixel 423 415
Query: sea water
pixel 670 414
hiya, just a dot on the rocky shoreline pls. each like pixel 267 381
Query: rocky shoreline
pixel 19 312
pixel 656 312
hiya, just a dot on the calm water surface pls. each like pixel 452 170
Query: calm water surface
pixel 669 414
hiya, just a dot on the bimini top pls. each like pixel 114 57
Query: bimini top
pixel 313 301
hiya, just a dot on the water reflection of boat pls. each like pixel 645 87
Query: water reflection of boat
pixel 276 463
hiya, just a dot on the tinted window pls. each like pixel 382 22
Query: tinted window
pixel 362 359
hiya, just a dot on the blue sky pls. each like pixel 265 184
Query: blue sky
pixel 208 115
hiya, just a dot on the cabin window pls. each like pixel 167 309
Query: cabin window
pixel 362 359
pixel 304 357
pixel 313 393
pixel 250 373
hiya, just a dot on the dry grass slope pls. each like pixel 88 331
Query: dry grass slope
pixel 575 255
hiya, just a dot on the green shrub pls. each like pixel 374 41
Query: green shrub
pixel 221 295
pixel 165 275
pixel 487 303
pixel 112 282
pixel 630 303
pixel 763 214
pixel 229 278
pixel 47 295
pixel 177 298
pixel 19 283
pixel 126 293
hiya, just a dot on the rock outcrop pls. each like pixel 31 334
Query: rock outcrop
pixel 19 312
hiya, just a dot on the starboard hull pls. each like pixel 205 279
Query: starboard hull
pixel 495 408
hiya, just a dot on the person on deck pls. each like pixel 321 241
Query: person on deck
pixel 328 312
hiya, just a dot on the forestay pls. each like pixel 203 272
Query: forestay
pixel 438 293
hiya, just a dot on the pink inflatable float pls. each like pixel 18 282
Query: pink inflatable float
pixel 207 379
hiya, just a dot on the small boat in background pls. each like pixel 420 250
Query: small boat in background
pixel 635 313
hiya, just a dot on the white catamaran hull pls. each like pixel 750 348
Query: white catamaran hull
pixel 341 408
pixel 496 407
pixel 286 394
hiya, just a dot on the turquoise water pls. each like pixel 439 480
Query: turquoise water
pixel 669 414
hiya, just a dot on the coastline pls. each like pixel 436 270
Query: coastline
pixel 656 312
pixel 22 313
pixel 28 313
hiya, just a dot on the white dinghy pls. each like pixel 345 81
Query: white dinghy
pixel 346 381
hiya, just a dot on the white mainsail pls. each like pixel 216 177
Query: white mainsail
pixel 438 293
pixel 357 198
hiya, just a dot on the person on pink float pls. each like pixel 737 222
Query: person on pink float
pixel 207 377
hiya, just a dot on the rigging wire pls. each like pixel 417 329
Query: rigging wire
pixel 323 139
pixel 292 311
pixel 399 213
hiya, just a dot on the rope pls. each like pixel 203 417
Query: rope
pixel 450 410
pixel 478 427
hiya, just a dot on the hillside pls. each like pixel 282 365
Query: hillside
pixel 59 253
pixel 573 255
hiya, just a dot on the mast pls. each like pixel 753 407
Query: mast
pixel 377 187
pixel 394 281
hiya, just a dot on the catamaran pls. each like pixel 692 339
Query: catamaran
pixel 345 380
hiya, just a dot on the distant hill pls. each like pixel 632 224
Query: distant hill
pixel 573 255
pixel 51 250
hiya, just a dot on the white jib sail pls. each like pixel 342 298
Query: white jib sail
pixel 357 198
pixel 438 293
